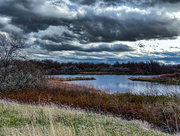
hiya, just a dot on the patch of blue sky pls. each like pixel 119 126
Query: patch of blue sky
pixel 126 5
pixel 168 60
pixel 72 7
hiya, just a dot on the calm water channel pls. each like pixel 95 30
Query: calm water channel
pixel 121 83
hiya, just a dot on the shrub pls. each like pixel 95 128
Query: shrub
pixel 22 77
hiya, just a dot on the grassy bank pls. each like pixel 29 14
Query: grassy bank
pixel 73 79
pixel 163 112
pixel 161 79
pixel 28 120
pixel 149 79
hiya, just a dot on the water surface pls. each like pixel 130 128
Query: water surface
pixel 121 83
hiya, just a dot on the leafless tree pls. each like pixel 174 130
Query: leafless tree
pixel 16 74
pixel 10 49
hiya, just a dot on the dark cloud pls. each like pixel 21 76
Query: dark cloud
pixel 104 29
pixel 20 17
pixel 90 26
pixel 132 2
pixel 51 46
pixel 23 16
pixel 59 39
pixel 112 48
pixel 56 47
pixel 63 47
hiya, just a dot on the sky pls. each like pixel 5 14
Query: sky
pixel 95 30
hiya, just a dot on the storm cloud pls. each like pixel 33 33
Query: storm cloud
pixel 90 26
pixel 132 2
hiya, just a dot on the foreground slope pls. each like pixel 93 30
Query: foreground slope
pixel 26 120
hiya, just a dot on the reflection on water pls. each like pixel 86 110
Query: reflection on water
pixel 121 83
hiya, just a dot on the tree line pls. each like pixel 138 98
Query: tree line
pixel 134 68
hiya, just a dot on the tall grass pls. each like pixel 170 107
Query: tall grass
pixel 28 120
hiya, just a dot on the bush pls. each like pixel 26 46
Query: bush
pixel 21 77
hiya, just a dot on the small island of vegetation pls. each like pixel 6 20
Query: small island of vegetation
pixel 163 78
pixel 72 79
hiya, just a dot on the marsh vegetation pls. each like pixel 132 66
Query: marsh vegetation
pixel 161 112
pixel 164 78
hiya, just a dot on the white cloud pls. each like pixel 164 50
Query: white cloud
pixel 58 10
pixel 54 30
pixel 7 26
pixel 12 28
pixel 4 20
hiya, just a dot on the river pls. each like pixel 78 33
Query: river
pixel 121 83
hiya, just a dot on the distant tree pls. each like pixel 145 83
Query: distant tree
pixel 72 70
pixel 116 64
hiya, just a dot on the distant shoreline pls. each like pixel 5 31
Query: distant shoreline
pixel 72 78
pixel 102 73
pixel 107 73
pixel 172 79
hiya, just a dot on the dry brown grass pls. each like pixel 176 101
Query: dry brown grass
pixel 162 112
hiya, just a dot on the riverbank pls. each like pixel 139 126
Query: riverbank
pixel 24 120
pixel 161 112
pixel 173 79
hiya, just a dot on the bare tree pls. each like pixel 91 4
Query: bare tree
pixel 16 74
pixel 10 49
